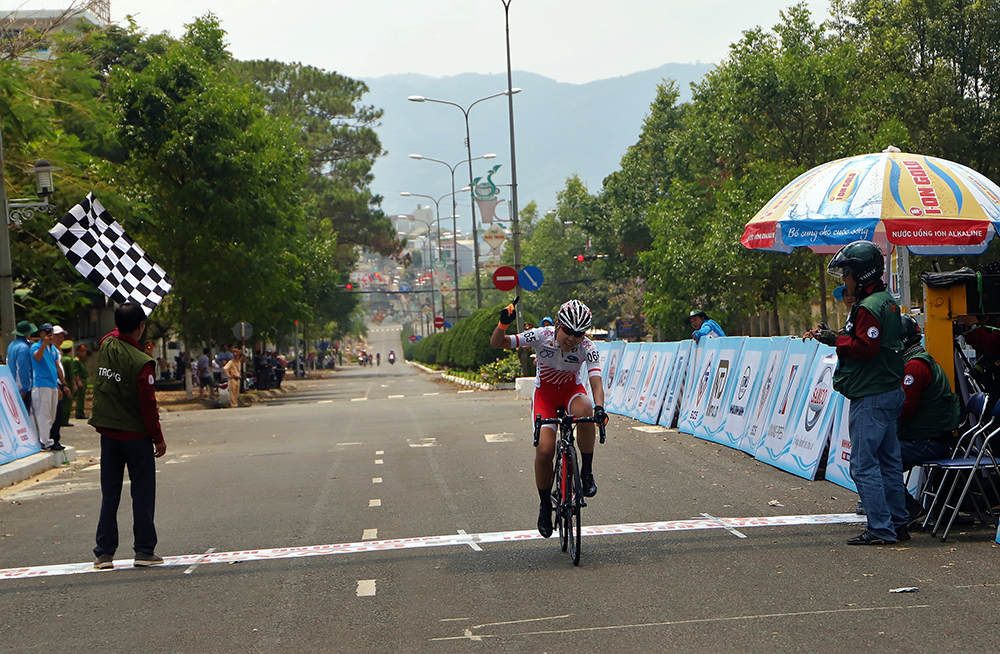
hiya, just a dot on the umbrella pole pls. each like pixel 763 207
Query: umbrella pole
pixel 903 262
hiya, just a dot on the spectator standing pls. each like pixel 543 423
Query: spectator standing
pixel 703 326
pixel 81 375
pixel 72 383
pixel 870 374
pixel 19 360
pixel 233 370
pixel 204 370
pixel 47 382
pixel 126 417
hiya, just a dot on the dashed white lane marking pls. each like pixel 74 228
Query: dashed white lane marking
pixel 429 441
pixel 374 502
pixel 651 429
pixel 366 588
pixel 325 402
pixel 369 534
pixel 379 452
pixel 392 397
pixel 467 391
pixel 431 393
pixel 378 462
pixel 725 526
pixel 194 565
pixel 444 541
pixel 502 437
pixel 359 399
pixel 468 635
pixel 376 480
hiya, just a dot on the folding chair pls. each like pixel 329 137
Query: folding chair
pixel 979 422
pixel 973 456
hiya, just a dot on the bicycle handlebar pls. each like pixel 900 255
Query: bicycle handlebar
pixel 539 421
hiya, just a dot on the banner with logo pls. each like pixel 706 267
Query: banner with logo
pixel 838 464
pixel 760 406
pixel 611 356
pixel 810 427
pixel 641 377
pixel 675 384
pixel 617 397
pixel 17 435
pixel 789 392
pixel 746 383
pixel 661 362
pixel 700 371
pixel 722 386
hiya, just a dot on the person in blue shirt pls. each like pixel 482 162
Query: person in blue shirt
pixel 703 326
pixel 48 382
pixel 19 360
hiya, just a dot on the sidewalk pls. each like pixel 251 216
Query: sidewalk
pixel 26 468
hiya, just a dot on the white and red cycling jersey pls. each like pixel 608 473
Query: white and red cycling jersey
pixel 555 367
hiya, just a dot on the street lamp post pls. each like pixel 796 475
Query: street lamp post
pixel 472 200
pixel 454 216
pixel 454 228
pixel 14 211
pixel 429 253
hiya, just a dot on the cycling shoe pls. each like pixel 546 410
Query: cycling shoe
pixel 545 521
pixel 589 485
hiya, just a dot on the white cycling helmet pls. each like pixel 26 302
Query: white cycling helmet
pixel 575 316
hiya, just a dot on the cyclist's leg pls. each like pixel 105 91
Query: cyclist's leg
pixel 543 405
pixel 581 406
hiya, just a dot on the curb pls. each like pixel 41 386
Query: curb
pixel 26 468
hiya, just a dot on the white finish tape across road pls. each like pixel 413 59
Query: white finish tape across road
pixel 460 539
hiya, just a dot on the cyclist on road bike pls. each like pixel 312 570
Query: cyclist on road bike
pixel 564 355
pixel 378 358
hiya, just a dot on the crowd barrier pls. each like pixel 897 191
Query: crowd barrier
pixel 17 434
pixel 772 398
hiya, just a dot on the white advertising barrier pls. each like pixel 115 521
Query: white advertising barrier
pixel 611 358
pixel 675 384
pixel 614 402
pixel 654 389
pixel 640 377
pixel 794 370
pixel 746 383
pixel 809 431
pixel 17 435
pixel 696 390
pixel 722 386
pixel 838 463
pixel 759 409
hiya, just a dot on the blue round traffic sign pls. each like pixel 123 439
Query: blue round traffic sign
pixel 530 278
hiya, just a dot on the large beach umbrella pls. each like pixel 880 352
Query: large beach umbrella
pixel 928 205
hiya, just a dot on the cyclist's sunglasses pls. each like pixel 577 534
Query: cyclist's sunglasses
pixel 570 332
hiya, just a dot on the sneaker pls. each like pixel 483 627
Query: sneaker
pixel 589 485
pixel 145 560
pixel 868 538
pixel 545 521
pixel 902 534
pixel 56 447
pixel 105 562
pixel 79 417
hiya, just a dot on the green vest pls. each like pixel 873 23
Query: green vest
pixel 938 413
pixel 863 377
pixel 116 398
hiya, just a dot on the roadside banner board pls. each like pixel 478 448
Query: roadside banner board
pixel 788 393
pixel 746 383
pixel 701 370
pixel 809 430
pixel 17 433
pixel 723 384
pixel 838 463
pixel 614 402
pixel 675 384
pixel 640 375
pixel 611 357
pixel 661 360
pixel 759 409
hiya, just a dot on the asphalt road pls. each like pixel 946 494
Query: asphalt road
pixel 386 453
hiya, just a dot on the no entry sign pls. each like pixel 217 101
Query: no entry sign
pixel 439 322
pixel 505 278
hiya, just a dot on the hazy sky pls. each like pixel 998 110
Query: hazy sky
pixel 568 40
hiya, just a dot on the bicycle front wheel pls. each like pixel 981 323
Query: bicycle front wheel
pixel 560 503
pixel 574 527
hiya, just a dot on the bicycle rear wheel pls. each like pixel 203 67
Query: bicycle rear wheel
pixel 560 503
pixel 573 526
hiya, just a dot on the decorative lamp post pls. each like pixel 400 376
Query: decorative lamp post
pixel 468 146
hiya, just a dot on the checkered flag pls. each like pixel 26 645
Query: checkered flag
pixel 103 253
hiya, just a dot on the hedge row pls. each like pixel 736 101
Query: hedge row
pixel 465 346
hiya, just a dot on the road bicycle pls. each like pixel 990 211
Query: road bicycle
pixel 568 494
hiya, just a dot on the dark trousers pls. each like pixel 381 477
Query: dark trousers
pixel 138 457
pixel 54 432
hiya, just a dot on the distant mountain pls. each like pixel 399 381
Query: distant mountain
pixel 560 129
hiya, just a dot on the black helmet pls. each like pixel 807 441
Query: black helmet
pixel 911 331
pixel 696 312
pixel 863 259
